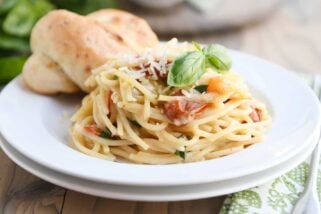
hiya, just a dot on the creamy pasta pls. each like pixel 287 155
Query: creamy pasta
pixel 132 114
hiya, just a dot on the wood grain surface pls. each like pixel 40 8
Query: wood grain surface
pixel 290 37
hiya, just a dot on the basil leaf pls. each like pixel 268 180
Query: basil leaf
pixel 9 42
pixel 6 5
pixel 24 15
pixel 85 6
pixel 197 46
pixel 186 69
pixel 20 19
pixel 217 58
pixel 105 134
pixel 182 154
pixel 41 8
pixel 201 88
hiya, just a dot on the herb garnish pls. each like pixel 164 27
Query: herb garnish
pixel 201 88
pixel 105 134
pixel 189 67
pixel 182 154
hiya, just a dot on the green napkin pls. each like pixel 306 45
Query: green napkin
pixel 276 196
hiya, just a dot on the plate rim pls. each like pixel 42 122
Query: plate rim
pixel 188 181
pixel 209 192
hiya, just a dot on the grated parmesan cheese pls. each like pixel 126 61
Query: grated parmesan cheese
pixel 152 62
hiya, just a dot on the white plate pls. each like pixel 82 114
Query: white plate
pixel 164 193
pixel 34 126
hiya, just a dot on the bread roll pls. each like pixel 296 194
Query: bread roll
pixel 133 31
pixel 46 76
pixel 76 44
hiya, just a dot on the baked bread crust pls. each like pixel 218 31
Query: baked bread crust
pixel 76 44
pixel 45 76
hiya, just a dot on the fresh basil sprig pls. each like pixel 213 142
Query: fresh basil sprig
pixel 189 67
pixel 186 69
pixel 217 58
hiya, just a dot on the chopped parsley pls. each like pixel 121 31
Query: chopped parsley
pixel 181 154
pixel 201 88
pixel 105 134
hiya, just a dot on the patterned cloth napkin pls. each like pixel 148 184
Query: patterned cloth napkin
pixel 276 196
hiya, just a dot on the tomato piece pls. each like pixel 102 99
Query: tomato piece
pixel 256 115
pixel 180 112
pixel 93 129
pixel 218 85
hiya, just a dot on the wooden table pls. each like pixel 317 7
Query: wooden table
pixel 291 37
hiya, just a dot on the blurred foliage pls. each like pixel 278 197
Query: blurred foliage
pixel 23 16
pixel 85 6
pixel 10 67
pixel 17 18
pixel 6 5
pixel 8 42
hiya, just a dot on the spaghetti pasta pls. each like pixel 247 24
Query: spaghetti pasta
pixel 133 115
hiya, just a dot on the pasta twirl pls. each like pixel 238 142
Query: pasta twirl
pixel 133 114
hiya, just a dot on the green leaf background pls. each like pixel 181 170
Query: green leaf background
pixel 17 18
